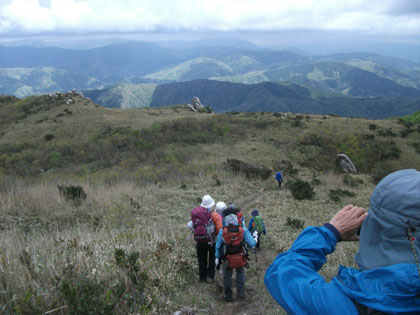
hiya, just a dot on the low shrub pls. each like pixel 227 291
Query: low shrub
pixel 301 190
pixel 251 171
pixel 295 223
pixel 75 194
pixel 336 194
pixel 352 181
pixel 416 146
pixel 387 133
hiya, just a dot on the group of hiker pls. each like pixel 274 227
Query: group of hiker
pixel 222 239
pixel 387 280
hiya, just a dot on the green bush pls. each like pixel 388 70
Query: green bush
pixel 295 223
pixel 86 295
pixel 75 194
pixel 387 133
pixel 352 181
pixel 301 190
pixel 416 146
pixel 337 194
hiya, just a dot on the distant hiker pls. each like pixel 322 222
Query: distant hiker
pixel 256 224
pixel 279 178
pixel 232 209
pixel 230 248
pixel 206 225
pixel 388 278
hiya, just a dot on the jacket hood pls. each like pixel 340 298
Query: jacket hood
pixel 394 214
pixel 389 289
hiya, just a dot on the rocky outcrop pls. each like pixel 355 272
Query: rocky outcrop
pixel 345 164
pixel 196 104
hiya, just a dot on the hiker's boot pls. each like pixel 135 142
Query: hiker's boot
pixel 241 297
pixel 228 299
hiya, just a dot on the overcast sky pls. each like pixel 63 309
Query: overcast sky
pixel 392 20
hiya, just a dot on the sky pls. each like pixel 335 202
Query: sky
pixel 299 23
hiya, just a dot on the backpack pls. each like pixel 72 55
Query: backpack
pixel 235 254
pixel 258 224
pixel 235 211
pixel 203 225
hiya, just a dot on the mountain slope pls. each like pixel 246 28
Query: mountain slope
pixel 22 82
pixel 123 95
pixel 199 68
pixel 274 97
pixel 109 64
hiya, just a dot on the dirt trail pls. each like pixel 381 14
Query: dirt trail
pixel 248 201
pixel 254 285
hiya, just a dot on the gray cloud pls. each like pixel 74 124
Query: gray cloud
pixel 405 7
pixel 92 16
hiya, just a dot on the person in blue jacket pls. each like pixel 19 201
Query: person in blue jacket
pixel 279 178
pixel 230 220
pixel 388 278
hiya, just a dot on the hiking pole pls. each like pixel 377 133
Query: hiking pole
pixel 256 267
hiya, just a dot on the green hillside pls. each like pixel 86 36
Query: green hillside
pixel 413 118
pixel 199 68
pixel 123 95
pixel 279 97
pixel 354 78
pixel 26 71
pixel 23 82
pixel 122 246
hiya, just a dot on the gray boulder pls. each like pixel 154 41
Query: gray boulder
pixel 345 164
pixel 196 104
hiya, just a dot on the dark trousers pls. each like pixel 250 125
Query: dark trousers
pixel 227 280
pixel 279 182
pixel 206 260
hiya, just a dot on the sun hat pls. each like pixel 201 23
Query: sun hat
pixel 393 218
pixel 207 202
pixel 220 207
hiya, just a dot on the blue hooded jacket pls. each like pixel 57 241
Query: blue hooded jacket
pixel 294 282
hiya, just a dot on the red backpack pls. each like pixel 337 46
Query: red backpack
pixel 203 225
pixel 235 255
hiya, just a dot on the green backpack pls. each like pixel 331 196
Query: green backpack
pixel 258 224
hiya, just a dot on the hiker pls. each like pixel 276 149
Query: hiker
pixel 279 178
pixel 206 225
pixel 256 224
pixel 220 207
pixel 230 248
pixel 388 278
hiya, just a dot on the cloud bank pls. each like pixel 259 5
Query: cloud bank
pixel 393 17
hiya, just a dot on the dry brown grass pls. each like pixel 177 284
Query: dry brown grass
pixel 56 235
pixel 144 208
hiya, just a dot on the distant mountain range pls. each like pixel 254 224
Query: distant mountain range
pixel 137 74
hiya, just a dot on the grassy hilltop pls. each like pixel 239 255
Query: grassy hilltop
pixel 126 248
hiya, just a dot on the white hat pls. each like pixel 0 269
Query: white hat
pixel 207 202
pixel 220 206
